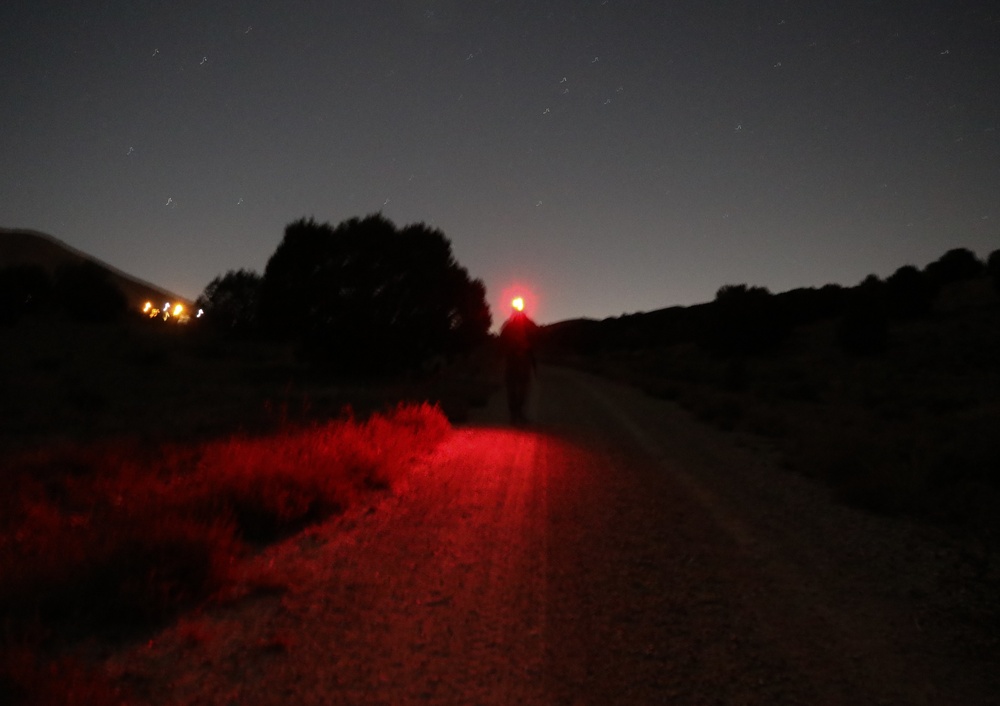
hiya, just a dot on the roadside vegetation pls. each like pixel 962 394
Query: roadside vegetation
pixel 107 541
pixel 144 461
pixel 143 464
pixel 363 297
pixel 888 392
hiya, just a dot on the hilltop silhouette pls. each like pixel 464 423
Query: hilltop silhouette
pixel 885 390
pixel 747 320
pixel 32 249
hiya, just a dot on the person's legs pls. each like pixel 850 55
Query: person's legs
pixel 517 396
pixel 512 399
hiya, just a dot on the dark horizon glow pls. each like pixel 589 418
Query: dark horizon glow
pixel 610 156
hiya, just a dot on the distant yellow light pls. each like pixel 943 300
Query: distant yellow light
pixel 518 303
pixel 178 309
pixel 147 307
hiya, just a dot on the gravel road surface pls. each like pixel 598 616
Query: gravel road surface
pixel 612 552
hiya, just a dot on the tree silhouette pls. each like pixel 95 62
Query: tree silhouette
pixel 909 293
pixel 954 266
pixel 230 301
pixel 864 328
pixel 993 269
pixel 807 305
pixel 368 297
pixel 743 320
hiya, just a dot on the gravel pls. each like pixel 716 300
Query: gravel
pixel 613 552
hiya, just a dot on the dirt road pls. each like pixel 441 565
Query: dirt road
pixel 614 552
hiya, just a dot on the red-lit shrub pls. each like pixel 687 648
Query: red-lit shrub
pixel 276 485
pixel 130 542
pixel 125 560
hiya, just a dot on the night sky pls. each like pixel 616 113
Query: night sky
pixel 608 156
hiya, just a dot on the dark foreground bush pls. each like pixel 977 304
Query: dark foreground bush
pixel 113 568
pixel 28 681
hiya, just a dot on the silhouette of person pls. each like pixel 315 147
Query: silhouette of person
pixel 517 342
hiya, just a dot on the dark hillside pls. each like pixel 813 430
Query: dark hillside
pixel 31 248
pixel 887 391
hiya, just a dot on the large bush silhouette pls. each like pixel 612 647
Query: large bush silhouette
pixel 954 266
pixel 230 300
pixel 909 293
pixel 743 320
pixel 993 269
pixel 368 297
pixel 864 327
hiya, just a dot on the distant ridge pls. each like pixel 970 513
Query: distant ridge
pixel 29 247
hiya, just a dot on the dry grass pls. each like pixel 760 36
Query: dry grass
pixel 140 464
pixel 111 544
pixel 96 539
pixel 27 680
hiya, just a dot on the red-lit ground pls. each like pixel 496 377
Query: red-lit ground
pixel 612 552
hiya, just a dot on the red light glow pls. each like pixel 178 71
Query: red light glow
pixel 514 291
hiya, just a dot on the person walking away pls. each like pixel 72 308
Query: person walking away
pixel 517 341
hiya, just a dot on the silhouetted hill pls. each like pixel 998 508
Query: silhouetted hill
pixel 889 391
pixel 750 320
pixel 673 324
pixel 28 247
